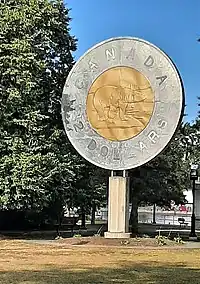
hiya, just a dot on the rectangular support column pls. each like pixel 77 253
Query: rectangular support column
pixel 118 208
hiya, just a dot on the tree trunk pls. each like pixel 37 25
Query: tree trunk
pixel 82 217
pixel 134 215
pixel 60 215
pixel 93 214
pixel 154 213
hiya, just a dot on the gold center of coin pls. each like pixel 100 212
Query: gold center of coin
pixel 120 103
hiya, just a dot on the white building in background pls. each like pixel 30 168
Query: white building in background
pixel 188 196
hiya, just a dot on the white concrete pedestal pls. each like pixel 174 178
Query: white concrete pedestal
pixel 118 208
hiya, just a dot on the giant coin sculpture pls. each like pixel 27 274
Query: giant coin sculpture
pixel 122 103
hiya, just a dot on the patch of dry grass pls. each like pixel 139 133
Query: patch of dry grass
pixel 25 263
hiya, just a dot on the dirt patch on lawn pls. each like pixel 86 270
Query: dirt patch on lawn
pixel 132 242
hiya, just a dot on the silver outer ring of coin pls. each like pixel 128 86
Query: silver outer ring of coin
pixel 168 109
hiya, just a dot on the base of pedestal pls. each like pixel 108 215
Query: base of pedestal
pixel 116 235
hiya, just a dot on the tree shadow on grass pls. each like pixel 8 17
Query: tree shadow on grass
pixel 137 274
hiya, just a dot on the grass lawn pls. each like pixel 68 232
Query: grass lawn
pixel 59 263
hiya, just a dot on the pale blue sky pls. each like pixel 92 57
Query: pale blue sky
pixel 172 25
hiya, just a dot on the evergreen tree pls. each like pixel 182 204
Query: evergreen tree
pixel 37 163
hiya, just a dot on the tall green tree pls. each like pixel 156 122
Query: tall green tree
pixel 89 190
pixel 37 163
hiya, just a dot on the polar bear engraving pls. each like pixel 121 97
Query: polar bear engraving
pixel 116 101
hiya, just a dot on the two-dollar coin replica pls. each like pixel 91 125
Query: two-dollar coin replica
pixel 122 103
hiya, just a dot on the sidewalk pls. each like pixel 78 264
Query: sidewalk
pixel 144 229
